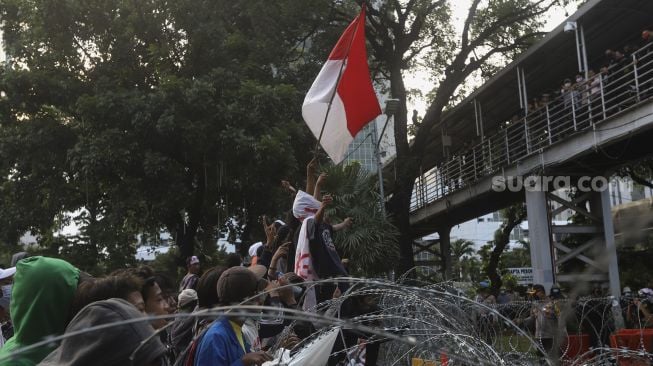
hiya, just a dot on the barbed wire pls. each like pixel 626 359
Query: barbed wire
pixel 434 321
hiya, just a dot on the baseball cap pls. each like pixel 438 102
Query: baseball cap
pixel 253 249
pixel 186 297
pixel 259 270
pixel 194 260
pixel 536 288
pixel 237 284
pixel 4 273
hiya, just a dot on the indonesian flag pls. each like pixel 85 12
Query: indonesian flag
pixel 346 74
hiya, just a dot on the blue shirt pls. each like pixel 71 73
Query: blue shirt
pixel 220 346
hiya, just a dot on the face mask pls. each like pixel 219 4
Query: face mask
pixel 6 291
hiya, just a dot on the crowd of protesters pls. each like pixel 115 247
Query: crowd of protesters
pixel 48 297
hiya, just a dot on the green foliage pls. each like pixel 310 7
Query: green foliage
pixel 371 242
pixel 509 281
pixel 150 115
pixel 461 251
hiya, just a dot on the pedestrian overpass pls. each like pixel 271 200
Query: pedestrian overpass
pixel 577 138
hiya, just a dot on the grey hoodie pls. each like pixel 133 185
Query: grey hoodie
pixel 106 347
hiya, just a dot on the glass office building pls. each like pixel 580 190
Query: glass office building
pixel 362 148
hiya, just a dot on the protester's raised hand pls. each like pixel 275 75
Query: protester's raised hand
pixel 348 222
pixel 285 292
pixel 321 179
pixel 270 233
pixel 256 358
pixel 281 252
pixel 287 186
pixel 312 166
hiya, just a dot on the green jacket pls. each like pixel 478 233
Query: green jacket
pixel 40 306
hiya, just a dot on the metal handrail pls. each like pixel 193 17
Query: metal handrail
pixel 625 84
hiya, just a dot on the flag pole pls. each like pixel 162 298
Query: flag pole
pixel 342 66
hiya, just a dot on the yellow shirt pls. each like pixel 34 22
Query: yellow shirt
pixel 239 334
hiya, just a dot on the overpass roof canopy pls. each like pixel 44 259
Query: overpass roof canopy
pixel 607 24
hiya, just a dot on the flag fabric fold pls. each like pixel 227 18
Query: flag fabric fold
pixel 344 82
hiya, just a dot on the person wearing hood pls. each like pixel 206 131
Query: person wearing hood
pixel 41 300
pixel 108 347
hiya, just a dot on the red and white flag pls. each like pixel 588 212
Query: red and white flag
pixel 354 103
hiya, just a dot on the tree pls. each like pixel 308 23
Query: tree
pixel 406 33
pixel 461 250
pixel 471 269
pixel 640 172
pixel 150 115
pixel 513 216
pixel 371 242
pixel 517 257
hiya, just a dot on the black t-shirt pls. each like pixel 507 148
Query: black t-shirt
pixel 326 260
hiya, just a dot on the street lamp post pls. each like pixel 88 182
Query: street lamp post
pixel 391 106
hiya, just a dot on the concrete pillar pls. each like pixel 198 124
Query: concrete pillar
pixel 539 234
pixel 610 245
pixel 445 251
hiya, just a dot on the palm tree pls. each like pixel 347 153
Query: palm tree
pixel 371 243
pixel 470 268
pixel 460 250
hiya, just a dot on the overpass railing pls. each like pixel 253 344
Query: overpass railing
pixel 578 108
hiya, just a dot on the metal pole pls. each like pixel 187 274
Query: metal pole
pixel 523 87
pixel 636 76
pixel 521 96
pixel 573 109
pixel 480 120
pixel 610 246
pixel 474 162
pixel 380 166
pixel 507 146
pixel 489 145
pixel 548 123
pixel 582 38
pixel 476 117
pixel 528 145
pixel 602 95
pixel 578 49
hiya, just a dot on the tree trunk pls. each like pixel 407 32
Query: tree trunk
pixel 399 204
pixel 185 239
pixel 514 216
pixel 445 251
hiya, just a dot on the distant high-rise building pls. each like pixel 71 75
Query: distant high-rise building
pixel 362 149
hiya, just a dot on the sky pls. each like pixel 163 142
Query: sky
pixel 420 80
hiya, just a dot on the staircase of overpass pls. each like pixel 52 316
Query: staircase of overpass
pixel 574 142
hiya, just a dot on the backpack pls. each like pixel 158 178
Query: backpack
pixel 187 356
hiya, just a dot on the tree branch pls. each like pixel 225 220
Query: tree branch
pixel 468 22
pixel 638 179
